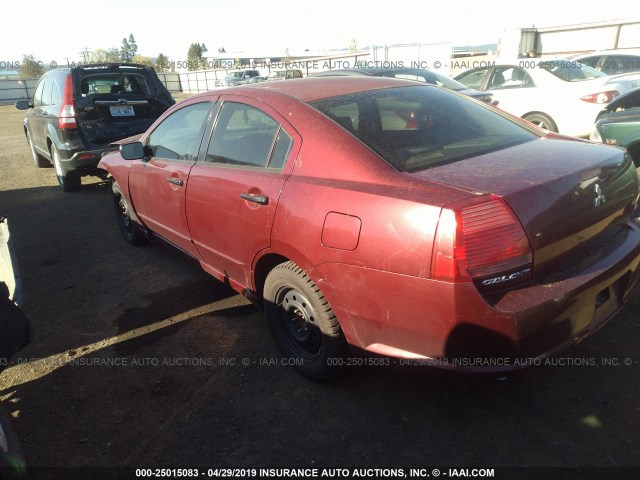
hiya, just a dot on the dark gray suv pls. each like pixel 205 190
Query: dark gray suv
pixel 76 113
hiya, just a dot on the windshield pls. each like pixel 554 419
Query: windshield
pixel 571 71
pixel 415 128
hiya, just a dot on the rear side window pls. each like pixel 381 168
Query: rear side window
pixel 419 127
pixel 46 92
pixel 616 64
pixel 178 136
pixel 42 97
pixel 571 71
pixel 55 93
pixel 243 136
pixel 37 97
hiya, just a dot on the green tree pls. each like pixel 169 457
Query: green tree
pixel 31 67
pixel 143 60
pixel 353 46
pixel 100 55
pixel 129 49
pixel 195 56
pixel 163 64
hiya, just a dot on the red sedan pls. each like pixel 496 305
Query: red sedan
pixel 383 215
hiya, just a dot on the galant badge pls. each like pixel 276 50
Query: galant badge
pixel 600 198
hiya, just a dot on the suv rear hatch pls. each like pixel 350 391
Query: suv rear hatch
pixel 114 101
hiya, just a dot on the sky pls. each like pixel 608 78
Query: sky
pixel 272 26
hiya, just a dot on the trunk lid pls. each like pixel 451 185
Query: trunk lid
pixel 117 101
pixel 569 196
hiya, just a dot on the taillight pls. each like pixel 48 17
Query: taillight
pixel 602 97
pixel 482 241
pixel 67 114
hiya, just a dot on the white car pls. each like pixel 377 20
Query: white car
pixel 562 96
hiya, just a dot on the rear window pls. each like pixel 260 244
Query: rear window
pixel 415 128
pixel 570 70
pixel 113 83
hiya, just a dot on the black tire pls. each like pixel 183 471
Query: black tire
pixel 39 160
pixel 303 323
pixel 542 121
pixel 69 181
pixel 128 226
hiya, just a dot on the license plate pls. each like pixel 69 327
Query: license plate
pixel 122 111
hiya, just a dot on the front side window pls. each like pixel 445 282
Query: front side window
pixel 414 128
pixel 243 136
pixel 178 136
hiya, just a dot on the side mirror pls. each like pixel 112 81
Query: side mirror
pixel 132 151
pixel 24 104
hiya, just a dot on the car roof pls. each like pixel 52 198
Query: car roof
pixel 311 89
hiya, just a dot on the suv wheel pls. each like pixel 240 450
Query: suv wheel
pixel 69 181
pixel 38 159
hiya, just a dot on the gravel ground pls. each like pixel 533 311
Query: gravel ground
pixel 142 360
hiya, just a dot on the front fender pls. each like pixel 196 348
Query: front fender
pixel 117 170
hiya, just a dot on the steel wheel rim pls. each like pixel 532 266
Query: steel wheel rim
pixel 123 212
pixel 299 324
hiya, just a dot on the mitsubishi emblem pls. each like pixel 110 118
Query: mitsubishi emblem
pixel 600 198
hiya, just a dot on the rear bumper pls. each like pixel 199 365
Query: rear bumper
pixel 453 326
pixel 83 159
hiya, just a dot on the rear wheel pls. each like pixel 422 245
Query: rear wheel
pixel 542 121
pixel 303 323
pixel 38 159
pixel 69 181
pixel 128 226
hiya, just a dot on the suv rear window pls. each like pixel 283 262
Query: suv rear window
pixel 116 83
pixel 419 127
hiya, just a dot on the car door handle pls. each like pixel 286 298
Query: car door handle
pixel 260 199
pixel 175 181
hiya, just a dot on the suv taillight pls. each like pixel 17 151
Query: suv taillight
pixel 481 241
pixel 67 115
